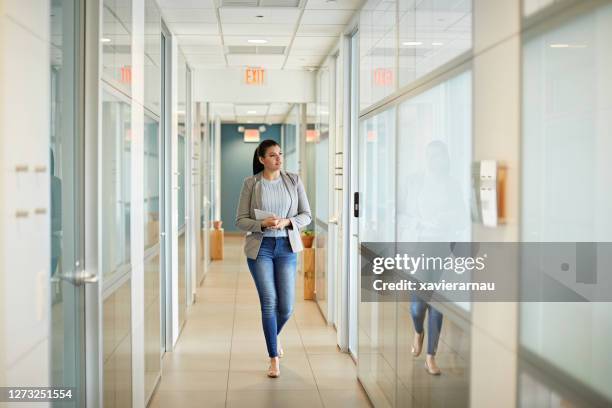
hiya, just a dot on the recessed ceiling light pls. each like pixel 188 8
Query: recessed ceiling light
pixel 437 43
pixel 412 43
pixel 251 112
pixel 105 40
pixel 257 41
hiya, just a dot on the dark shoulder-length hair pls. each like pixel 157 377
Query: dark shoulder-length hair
pixel 260 151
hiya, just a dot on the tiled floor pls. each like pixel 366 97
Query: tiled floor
pixel 221 359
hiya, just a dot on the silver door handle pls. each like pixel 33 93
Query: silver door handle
pixel 78 279
pixel 333 221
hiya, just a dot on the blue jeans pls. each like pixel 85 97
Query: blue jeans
pixel 418 308
pixel 274 275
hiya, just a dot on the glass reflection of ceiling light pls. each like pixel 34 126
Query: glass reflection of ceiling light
pixel 568 46
pixel 256 41
pixel 262 128
pixel 412 43
pixel 105 40
pixel 437 43
pixel 241 129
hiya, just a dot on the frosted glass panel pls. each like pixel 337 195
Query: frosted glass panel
pixel 436 152
pixel 567 174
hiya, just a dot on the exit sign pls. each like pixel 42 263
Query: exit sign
pixel 251 135
pixel 383 76
pixel 254 76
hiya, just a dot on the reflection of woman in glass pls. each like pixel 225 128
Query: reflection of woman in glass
pixel 271 244
pixel 436 214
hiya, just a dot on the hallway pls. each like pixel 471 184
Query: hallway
pixel 220 359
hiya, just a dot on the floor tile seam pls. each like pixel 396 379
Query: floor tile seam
pixel 310 365
pixel 232 338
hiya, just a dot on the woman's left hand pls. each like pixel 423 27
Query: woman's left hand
pixel 282 224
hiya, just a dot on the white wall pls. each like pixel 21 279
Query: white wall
pixel 24 140
pixel 228 85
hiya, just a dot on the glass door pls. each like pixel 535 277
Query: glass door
pixel 324 283
pixel 351 224
pixel 377 320
pixel 66 150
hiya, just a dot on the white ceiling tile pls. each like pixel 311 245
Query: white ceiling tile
pixel 189 15
pixel 200 59
pixel 208 4
pixel 202 49
pixel 199 40
pixel 250 119
pixel 248 15
pixel 243 40
pixel 265 61
pixel 278 109
pixel 258 30
pixel 308 51
pixel 320 29
pixel 223 108
pixel 322 44
pixel 302 61
pixel 275 119
pixel 336 5
pixel 326 16
pixel 193 28
pixel 245 110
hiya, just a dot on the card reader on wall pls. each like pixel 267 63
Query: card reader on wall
pixel 489 184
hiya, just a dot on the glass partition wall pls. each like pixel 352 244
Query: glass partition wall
pixel 415 186
pixel 320 141
pixel 153 166
pixel 181 174
pixel 291 129
pixel 566 147
pixel 414 178
pixel 115 200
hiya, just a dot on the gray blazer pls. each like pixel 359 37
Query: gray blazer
pixel 250 199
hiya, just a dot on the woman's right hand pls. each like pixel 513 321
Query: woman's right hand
pixel 270 222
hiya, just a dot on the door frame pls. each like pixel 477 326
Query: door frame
pixel 90 108
pixel 351 181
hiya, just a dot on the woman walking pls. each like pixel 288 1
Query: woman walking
pixel 272 243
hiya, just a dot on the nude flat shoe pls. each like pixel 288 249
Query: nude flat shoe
pixel 417 351
pixel 273 373
pixel 432 370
